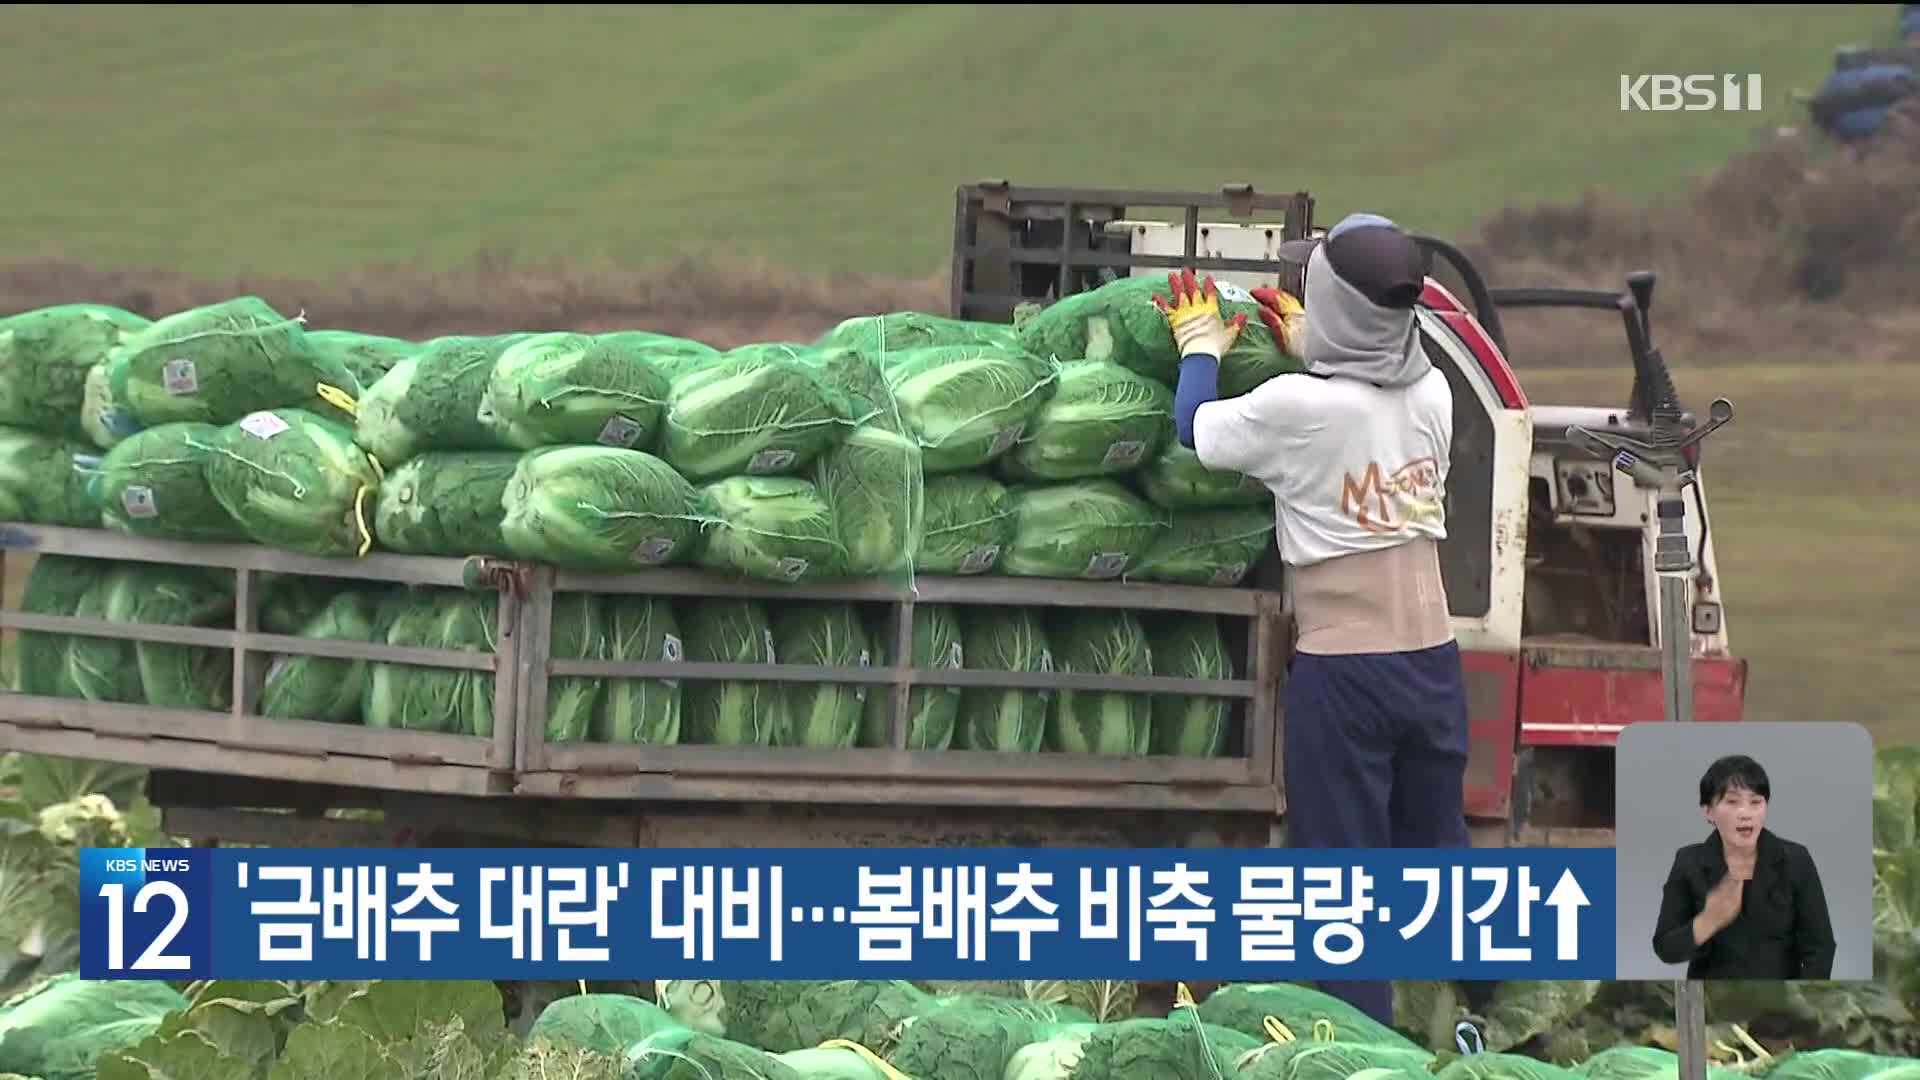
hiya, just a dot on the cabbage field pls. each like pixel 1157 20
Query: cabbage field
pixel 894 447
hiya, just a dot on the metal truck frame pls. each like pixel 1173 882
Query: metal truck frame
pixel 1553 673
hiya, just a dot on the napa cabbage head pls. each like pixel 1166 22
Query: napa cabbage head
pixel 294 480
pixel 761 410
pixel 562 388
pixel 730 713
pixel 1207 547
pixel 599 507
pixel 968 404
pixel 1100 420
pixel 821 715
pixel 969 523
pixel 1189 646
pixel 932 711
pixel 1092 529
pixel 1009 720
pixel 874 488
pixel 1100 721
pixel 774 528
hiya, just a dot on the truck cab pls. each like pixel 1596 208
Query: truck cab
pixel 1549 557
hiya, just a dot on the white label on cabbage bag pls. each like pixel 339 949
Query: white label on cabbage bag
pixel 866 661
pixel 620 431
pixel 980 559
pixel 767 461
pixel 670 653
pixel 1230 574
pixel 791 568
pixel 653 552
pixel 1234 293
pixel 139 502
pixel 179 377
pixel 1107 564
pixel 263 425
pixel 1124 453
pixel 1005 440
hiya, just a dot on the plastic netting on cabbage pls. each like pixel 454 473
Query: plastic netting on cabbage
pixel 368 356
pixel 1006 720
pixel 446 502
pixel 1100 420
pixel 1206 547
pixel 294 480
pixel 1100 642
pixel 788 1015
pixel 759 410
pixel 218 363
pixel 416 697
pixel 1094 529
pixel 322 688
pixel 45 358
pixel 731 712
pixel 967 405
pixel 969 524
pixel 821 715
pixel 932 711
pixel 561 389
pixel 637 709
pixel 432 400
pixel 873 479
pixel 154 483
pixel 600 508
pixel 46 479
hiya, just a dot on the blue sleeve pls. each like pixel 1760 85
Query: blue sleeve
pixel 1199 384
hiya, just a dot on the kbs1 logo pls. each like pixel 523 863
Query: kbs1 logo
pixel 1690 93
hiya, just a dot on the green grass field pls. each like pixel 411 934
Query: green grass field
pixel 311 141
pixel 302 141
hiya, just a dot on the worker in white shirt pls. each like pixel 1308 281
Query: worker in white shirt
pixel 1355 451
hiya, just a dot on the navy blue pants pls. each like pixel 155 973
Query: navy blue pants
pixel 1376 757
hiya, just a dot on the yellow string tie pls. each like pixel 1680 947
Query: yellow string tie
pixel 1276 1030
pixel 867 1056
pixel 337 398
pixel 360 519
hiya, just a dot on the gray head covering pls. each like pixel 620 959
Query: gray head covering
pixel 1362 282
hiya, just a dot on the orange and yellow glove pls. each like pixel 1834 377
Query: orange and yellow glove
pixel 1194 317
pixel 1284 317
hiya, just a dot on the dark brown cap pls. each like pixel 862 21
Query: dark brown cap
pixel 1372 254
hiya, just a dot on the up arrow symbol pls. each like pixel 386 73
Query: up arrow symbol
pixel 1568 899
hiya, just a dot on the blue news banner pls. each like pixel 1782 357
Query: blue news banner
pixel 535 913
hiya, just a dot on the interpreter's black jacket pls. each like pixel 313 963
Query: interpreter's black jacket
pixel 1782 932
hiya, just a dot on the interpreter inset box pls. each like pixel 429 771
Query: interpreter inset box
pixel 1744 851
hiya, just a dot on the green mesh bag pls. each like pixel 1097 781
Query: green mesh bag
pixel 1101 420
pixel 821 715
pixel 215 364
pixel 1119 323
pixel 1097 721
pixel 788 1015
pixel 56 585
pixel 45 358
pixel 737 712
pixel 1013 720
pixel 604 1023
pixel 1642 1063
pixel 411 697
pixel 1189 646
pixel 368 356
pixel 680 1054
pixel 57 1029
pixel 1207 547
pixel 759 410
pixel 968 404
pixel 640 629
pixel 294 480
pixel 1178 1046
pixel 880 336
pixel 1244 1007
pixel 771 528
pixel 579 633
pixel 46 479
pixel 1175 479
pixel 446 502
pixel 435 403
pixel 975 1037
pixel 599 508
pixel 1093 529
pixel 1502 1067
pixel 578 389
pixel 154 483
pixel 969 523
pixel 932 711
pixel 322 688
pixel 1310 1059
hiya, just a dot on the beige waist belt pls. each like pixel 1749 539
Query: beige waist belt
pixel 1371 602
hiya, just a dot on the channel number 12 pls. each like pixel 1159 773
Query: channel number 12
pixel 154 958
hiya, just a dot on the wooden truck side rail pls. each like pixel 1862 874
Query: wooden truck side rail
pixel 239 741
